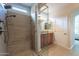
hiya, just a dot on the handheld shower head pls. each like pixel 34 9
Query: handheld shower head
pixel 7 6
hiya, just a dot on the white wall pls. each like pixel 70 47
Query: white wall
pixel 60 30
pixel 34 14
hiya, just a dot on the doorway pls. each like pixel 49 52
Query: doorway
pixel 77 29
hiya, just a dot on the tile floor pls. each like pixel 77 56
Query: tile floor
pixel 56 50
pixel 51 50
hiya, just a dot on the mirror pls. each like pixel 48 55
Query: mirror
pixel 43 11
pixel 44 17
pixel 47 26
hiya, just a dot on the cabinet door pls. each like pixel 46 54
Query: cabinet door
pixel 50 38
pixel 44 40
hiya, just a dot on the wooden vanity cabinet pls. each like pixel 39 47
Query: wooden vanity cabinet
pixel 46 39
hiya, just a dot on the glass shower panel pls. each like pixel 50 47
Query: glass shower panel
pixel 42 19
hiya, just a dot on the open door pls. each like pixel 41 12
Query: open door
pixel 60 31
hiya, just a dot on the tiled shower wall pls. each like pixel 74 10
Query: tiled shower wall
pixel 19 30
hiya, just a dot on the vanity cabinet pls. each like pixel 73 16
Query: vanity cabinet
pixel 46 39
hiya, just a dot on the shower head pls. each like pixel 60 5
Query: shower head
pixel 7 6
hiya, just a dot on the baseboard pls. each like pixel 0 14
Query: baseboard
pixel 64 46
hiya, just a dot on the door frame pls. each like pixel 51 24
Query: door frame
pixel 72 26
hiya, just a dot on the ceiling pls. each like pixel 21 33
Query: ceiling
pixel 62 8
pixel 55 8
pixel 22 4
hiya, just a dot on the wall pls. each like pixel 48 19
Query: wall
pixel 71 30
pixel 34 14
pixel 33 27
pixel 19 30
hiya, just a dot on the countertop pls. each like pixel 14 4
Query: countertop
pixel 46 31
